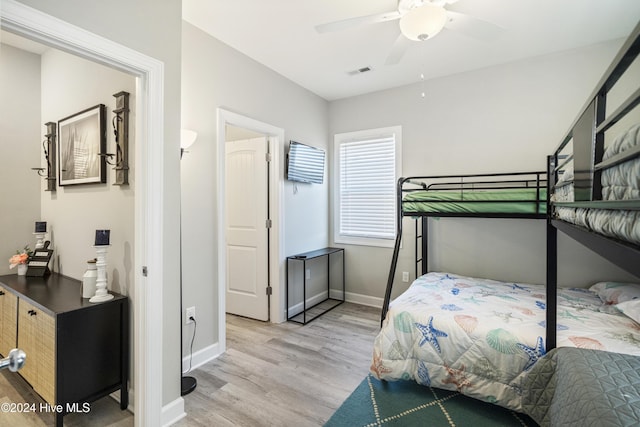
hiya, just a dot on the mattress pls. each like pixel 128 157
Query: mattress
pixel 622 182
pixel 619 183
pixel 508 201
pixel 481 337
pixel 564 188
pixel 618 224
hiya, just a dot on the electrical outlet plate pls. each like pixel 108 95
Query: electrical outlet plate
pixel 190 312
pixel 405 276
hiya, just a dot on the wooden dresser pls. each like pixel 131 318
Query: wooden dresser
pixel 77 351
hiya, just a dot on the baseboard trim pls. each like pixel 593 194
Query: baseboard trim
pixel 294 310
pixel 173 412
pixel 201 357
pixel 364 300
pixel 358 298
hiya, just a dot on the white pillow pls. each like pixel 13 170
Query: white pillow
pixel 616 292
pixel 631 309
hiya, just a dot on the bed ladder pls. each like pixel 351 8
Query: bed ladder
pixel 422 238
pixel 392 273
pixel 396 250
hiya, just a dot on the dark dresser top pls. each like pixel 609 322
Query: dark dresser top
pixel 54 294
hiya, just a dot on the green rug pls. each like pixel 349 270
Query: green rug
pixel 407 403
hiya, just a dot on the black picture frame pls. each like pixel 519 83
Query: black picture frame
pixel 81 140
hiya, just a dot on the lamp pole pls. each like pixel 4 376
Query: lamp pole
pixel 187 383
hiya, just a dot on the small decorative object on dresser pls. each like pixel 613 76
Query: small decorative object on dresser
pixel 102 246
pixel 22 269
pixel 21 260
pixel 40 232
pixel 89 279
pixel 39 260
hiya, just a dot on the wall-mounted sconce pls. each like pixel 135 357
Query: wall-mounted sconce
pixel 120 125
pixel 187 138
pixel 49 148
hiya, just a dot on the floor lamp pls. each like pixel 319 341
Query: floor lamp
pixel 187 383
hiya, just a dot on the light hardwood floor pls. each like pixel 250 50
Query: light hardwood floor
pixel 285 374
pixel 271 375
pixel 14 390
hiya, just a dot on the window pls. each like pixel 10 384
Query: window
pixel 366 170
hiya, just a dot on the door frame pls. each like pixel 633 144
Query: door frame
pixel 275 136
pixel 149 217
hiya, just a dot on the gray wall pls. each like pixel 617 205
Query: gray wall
pixel 498 119
pixel 215 75
pixel 20 150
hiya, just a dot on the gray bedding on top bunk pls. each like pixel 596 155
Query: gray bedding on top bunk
pixel 583 387
pixel 620 182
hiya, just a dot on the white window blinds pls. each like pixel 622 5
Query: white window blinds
pixel 367 169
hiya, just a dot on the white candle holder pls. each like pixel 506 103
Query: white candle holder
pixel 40 239
pixel 101 282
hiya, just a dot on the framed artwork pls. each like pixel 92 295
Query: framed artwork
pixel 81 139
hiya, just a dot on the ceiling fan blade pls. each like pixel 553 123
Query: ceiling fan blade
pixel 355 22
pixel 472 27
pixel 398 50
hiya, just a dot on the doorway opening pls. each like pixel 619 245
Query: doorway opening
pixel 247 223
pixel 275 136
pixel 147 305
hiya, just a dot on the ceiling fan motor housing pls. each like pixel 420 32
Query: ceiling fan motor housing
pixel 423 22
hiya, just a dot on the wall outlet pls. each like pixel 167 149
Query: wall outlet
pixel 405 276
pixel 190 312
pixel 308 274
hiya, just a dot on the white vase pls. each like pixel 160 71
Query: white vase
pixel 22 269
pixel 89 280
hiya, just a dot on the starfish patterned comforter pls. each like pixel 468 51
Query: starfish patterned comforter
pixel 481 337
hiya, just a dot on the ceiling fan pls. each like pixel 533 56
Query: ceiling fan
pixel 419 20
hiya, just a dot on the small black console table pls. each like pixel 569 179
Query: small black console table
pixel 319 308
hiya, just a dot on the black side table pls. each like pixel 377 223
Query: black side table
pixel 307 314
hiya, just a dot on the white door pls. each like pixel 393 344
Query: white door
pixel 246 204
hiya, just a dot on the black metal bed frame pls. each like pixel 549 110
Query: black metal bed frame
pixel 464 183
pixel 587 135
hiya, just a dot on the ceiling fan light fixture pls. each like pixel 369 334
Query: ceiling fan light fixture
pixel 423 22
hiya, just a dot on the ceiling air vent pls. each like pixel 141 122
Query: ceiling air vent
pixel 359 71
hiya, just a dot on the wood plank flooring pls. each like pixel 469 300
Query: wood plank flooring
pixel 271 375
pixel 13 389
pixel 285 374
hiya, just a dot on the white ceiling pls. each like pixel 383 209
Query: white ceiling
pixel 280 34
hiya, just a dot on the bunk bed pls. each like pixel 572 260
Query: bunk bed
pixel 454 332
pixel 416 341
pixel 498 195
pixel 594 198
